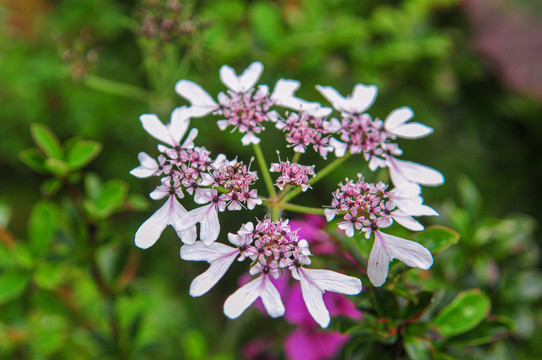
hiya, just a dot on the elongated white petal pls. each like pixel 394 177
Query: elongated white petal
pixel 402 171
pixel 178 123
pixel 210 226
pixel 241 299
pixel 328 280
pixel 333 96
pixel 189 142
pixel 190 219
pixel 386 247
pixel 398 117
pixel 315 282
pixel 406 220
pixel 271 300
pixel 201 103
pixel 220 257
pixel 156 128
pixel 414 207
pixel 152 228
pixel 187 235
pixel 379 262
pixel 409 252
pixel 312 296
pixel 412 131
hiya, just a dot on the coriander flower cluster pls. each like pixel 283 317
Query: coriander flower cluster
pixel 218 184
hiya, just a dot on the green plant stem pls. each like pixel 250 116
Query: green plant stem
pixel 265 170
pixel 301 209
pixel 116 88
pixel 320 175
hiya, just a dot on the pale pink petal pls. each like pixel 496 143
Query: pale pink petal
pixel 201 103
pixel 177 211
pixel 243 82
pixel 412 131
pixel 312 295
pixel 340 147
pixel 328 280
pixel 156 128
pixel 271 299
pixel 159 193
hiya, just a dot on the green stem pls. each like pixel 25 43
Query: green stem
pixel 321 174
pixel 116 88
pixel 296 157
pixel 301 209
pixel 265 170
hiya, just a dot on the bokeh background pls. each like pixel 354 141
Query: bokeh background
pixel 469 69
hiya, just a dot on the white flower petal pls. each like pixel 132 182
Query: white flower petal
pixel 333 96
pixel 190 219
pixel 363 97
pixel 187 235
pixel 241 299
pixel 398 117
pixel 407 221
pixel 379 261
pixel 340 147
pixel 156 128
pixel 250 138
pixel 201 103
pixel 284 89
pixel 328 280
pixel 386 247
pixel 149 232
pixel 189 142
pixel 148 166
pixel 220 257
pixel 158 193
pixel 210 226
pixel 402 171
pixel 178 123
pixel 245 81
pixel 412 131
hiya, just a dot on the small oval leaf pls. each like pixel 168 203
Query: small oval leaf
pixel 464 313
pixel 12 284
pixel 437 238
pixel 82 153
pixel 46 141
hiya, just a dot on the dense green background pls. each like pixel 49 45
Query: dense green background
pixel 86 68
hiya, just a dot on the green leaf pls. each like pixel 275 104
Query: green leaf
pixel 57 167
pixel 34 160
pixel 41 226
pixel 464 313
pixel 50 187
pixel 82 153
pixel 267 23
pixel 12 284
pixel 469 196
pixel 418 348
pixel 437 238
pixel 46 141
pixel 111 197
pixel 415 309
pixel 93 185
pixel 490 330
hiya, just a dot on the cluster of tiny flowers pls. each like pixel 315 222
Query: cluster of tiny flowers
pixel 272 248
pixel 292 174
pixel 246 112
pixel 218 184
pixel 304 130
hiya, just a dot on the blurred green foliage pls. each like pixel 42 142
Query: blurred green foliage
pixel 73 285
